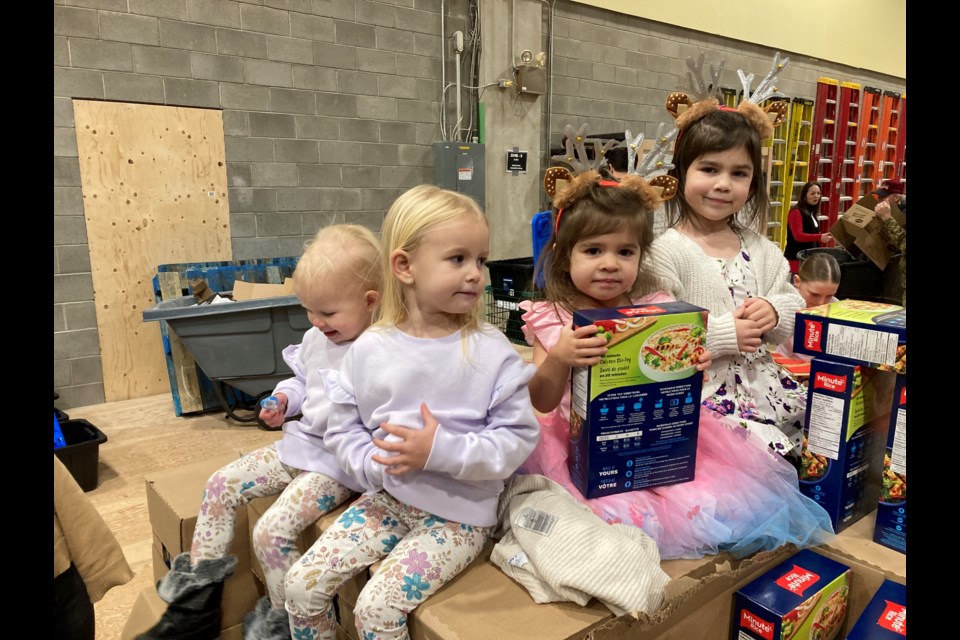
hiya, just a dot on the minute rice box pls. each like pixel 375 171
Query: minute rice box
pixel 872 334
pixel 803 598
pixel 634 416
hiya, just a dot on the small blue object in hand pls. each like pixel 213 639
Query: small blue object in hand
pixel 270 403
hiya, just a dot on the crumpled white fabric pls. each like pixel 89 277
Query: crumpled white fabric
pixel 559 550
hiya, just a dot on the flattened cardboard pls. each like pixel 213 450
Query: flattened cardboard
pixel 859 231
pixel 173 502
pixel 256 290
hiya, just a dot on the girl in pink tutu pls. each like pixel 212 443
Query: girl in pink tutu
pixel 744 498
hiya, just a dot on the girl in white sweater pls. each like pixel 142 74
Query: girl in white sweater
pixel 715 256
pixel 431 415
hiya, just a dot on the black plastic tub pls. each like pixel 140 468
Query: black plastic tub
pixel 82 453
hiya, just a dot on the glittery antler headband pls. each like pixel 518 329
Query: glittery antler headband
pixel 704 97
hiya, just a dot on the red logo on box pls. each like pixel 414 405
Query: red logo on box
pixel 798 580
pixel 894 618
pixel 830 382
pixel 641 311
pixel 903 396
pixel 755 624
pixel 812 330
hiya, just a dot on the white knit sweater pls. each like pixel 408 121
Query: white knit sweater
pixel 687 273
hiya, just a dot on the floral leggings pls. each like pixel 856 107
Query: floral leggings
pixel 423 552
pixel 304 497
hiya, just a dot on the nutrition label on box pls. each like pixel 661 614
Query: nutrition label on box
pixel 825 420
pixel 858 343
pixel 898 456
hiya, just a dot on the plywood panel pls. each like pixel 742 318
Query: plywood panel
pixel 154 192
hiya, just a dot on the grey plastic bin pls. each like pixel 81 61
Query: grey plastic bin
pixel 239 343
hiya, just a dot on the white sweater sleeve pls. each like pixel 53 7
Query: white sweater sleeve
pixel 346 435
pixel 509 437
pixel 777 290
pixel 294 388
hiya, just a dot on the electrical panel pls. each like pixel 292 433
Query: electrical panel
pixel 459 166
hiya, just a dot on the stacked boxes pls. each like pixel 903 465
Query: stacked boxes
pixel 805 597
pixel 859 349
pixel 891 526
pixel 848 412
pixel 634 416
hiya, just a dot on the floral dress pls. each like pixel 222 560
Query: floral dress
pixel 753 392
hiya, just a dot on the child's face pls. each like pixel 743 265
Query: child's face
pixel 718 183
pixel 816 292
pixel 338 308
pixel 447 269
pixel 605 267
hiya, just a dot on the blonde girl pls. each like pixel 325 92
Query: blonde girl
pixel 337 281
pixel 431 414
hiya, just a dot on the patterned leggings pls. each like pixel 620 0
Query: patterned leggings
pixel 304 497
pixel 423 552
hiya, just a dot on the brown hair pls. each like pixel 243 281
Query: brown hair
pixel 719 131
pixel 590 210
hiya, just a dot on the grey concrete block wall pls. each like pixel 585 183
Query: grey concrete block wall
pixel 310 93
pixel 330 108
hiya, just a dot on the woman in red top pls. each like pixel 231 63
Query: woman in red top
pixel 803 227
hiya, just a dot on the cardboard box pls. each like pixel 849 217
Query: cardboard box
pixel 845 430
pixel 634 416
pixel 885 617
pixel 873 334
pixel 257 290
pixel 147 611
pixel 891 525
pixel 173 501
pixel 807 591
pixel 860 231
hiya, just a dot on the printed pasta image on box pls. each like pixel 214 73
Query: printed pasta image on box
pixel 805 597
pixel 891 525
pixel 634 416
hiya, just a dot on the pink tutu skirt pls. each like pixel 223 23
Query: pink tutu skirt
pixel 744 498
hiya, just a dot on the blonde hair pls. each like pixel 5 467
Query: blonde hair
pixel 411 217
pixel 339 249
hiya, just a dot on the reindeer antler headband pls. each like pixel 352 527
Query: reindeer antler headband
pixel 585 174
pixel 703 97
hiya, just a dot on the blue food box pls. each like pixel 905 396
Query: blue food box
pixel 891 526
pixel 885 617
pixel 804 597
pixel 844 434
pixel 872 334
pixel 634 416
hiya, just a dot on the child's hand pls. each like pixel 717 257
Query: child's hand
pixel 761 312
pixel 748 333
pixel 412 452
pixel 582 347
pixel 274 418
pixel 704 361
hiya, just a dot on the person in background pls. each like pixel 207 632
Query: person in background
pixel 803 225
pixel 817 281
pixel 891 191
pixel 87 560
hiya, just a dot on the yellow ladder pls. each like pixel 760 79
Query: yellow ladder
pixel 776 178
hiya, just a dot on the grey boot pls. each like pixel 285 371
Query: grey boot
pixel 193 596
pixel 266 623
